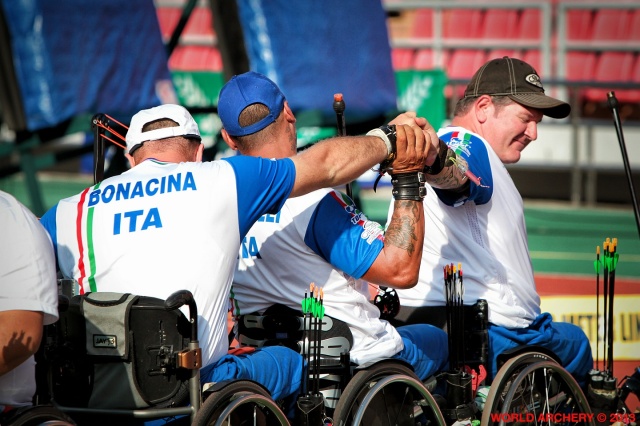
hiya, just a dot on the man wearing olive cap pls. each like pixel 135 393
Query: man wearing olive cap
pixel 475 215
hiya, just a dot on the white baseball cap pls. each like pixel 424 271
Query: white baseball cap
pixel 187 127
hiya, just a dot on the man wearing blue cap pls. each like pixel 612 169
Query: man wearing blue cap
pixel 323 238
pixel 174 222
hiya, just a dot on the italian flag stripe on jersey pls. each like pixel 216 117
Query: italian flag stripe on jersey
pixel 87 269
pixel 81 278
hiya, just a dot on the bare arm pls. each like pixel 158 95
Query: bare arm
pixel 335 162
pixel 398 264
pixel 20 336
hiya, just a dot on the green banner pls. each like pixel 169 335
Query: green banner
pixel 423 91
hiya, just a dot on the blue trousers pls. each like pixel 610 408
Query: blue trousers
pixel 425 348
pixel 566 340
pixel 277 368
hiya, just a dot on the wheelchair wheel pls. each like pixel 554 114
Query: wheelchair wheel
pixel 38 415
pixel 240 403
pixel 505 376
pixel 541 392
pixel 387 393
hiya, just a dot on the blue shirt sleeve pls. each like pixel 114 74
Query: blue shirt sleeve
pixel 469 147
pixel 343 236
pixel 263 186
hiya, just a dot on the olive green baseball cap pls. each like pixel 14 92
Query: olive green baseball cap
pixel 519 81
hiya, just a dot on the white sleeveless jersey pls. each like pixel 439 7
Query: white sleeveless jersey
pixel 162 227
pixel 486 233
pixel 318 238
pixel 27 283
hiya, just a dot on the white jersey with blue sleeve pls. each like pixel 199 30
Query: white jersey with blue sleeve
pixel 318 238
pixel 471 231
pixel 162 227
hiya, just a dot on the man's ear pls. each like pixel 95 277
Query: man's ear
pixel 199 153
pixel 228 140
pixel 291 118
pixel 132 161
pixel 483 108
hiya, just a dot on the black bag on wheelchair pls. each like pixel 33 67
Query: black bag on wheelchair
pixel 118 351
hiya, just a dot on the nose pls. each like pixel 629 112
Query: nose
pixel 532 131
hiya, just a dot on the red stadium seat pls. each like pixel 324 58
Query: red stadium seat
pixel 462 64
pixel 533 58
pixel 200 22
pixel 580 66
pixel 610 24
pixel 529 25
pixel 423 23
pixel 402 59
pixel 499 24
pixel 631 95
pixel 579 24
pixel 423 59
pixel 196 58
pixel 168 18
pixel 500 53
pixel 461 23
pixel 610 67
pixel 634 26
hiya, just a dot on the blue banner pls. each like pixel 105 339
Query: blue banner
pixel 313 49
pixel 76 56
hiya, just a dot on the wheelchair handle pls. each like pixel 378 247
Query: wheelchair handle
pixel 179 299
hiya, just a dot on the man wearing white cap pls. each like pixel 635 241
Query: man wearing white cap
pixel 475 215
pixel 174 222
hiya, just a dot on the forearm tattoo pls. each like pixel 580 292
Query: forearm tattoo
pixel 451 177
pixel 401 230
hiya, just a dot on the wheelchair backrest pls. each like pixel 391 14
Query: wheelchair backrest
pixel 118 351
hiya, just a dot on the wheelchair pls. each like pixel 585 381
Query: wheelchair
pixel 386 392
pixel 127 359
pixel 530 383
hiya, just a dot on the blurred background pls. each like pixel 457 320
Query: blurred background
pixel 63 62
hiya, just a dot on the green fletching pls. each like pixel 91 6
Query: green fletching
pixel 597 265
pixel 607 262
pixel 615 260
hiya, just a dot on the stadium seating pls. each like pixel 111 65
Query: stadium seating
pixel 423 23
pixel 196 58
pixel 634 26
pixel 425 59
pixel 579 24
pixel 402 59
pixel 529 26
pixel 499 53
pixel 461 66
pixel 461 23
pixel 610 24
pixel 499 24
pixel 610 67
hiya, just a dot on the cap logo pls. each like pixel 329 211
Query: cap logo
pixel 534 79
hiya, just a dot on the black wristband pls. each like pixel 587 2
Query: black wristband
pixel 408 186
pixel 440 161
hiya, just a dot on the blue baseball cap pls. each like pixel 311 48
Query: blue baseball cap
pixel 244 90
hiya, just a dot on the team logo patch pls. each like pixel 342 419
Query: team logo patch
pixel 104 341
pixel 534 79
pixel 460 143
